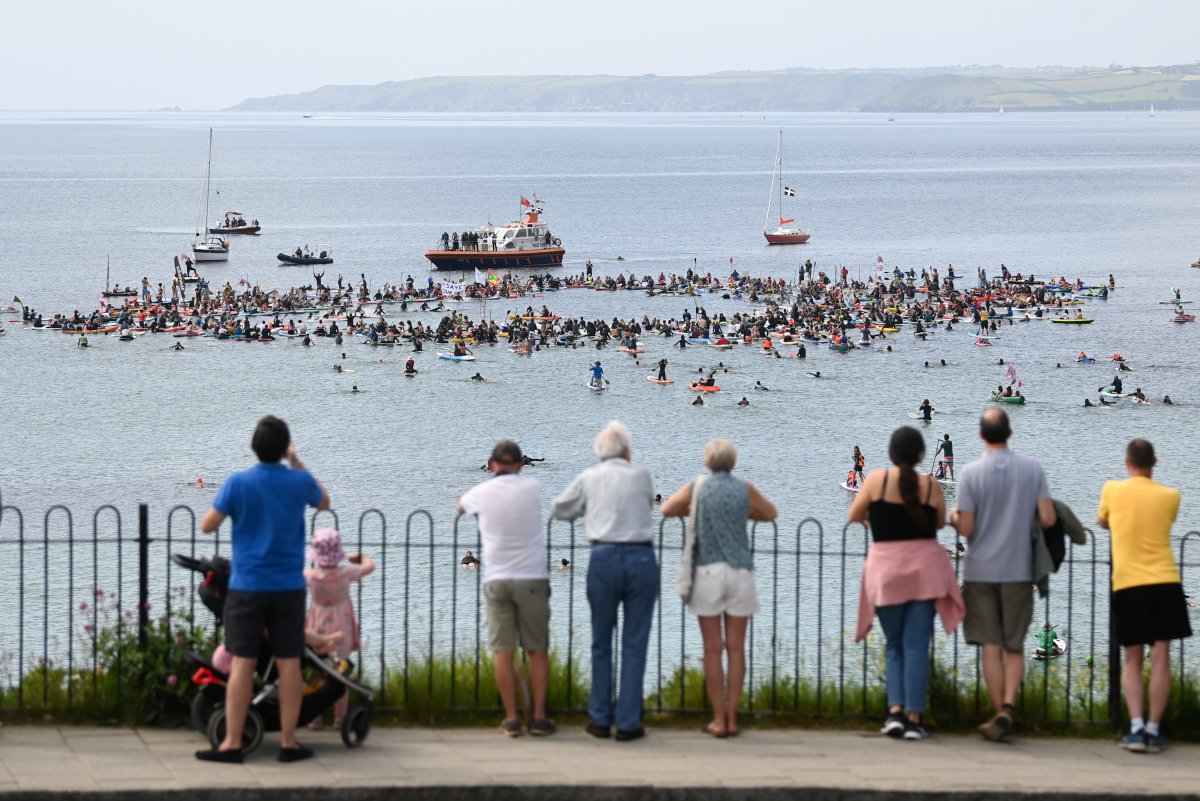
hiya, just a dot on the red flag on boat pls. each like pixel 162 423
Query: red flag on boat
pixel 788 220
pixel 525 202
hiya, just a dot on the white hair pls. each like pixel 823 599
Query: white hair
pixel 720 455
pixel 615 440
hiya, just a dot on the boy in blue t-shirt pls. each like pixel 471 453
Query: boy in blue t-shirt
pixel 267 586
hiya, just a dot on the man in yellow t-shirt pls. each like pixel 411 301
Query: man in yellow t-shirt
pixel 1148 604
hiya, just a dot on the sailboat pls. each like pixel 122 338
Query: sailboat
pixel 208 247
pixel 783 235
pixel 1151 108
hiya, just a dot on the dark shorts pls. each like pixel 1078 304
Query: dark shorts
pixel 280 615
pixel 998 613
pixel 1150 613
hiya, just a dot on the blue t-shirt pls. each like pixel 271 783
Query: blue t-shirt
pixel 266 504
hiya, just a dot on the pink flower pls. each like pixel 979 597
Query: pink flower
pixel 172 680
pixel 87 628
pixel 83 606
pixel 99 593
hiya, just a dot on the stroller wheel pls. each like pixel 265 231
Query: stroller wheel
pixel 252 732
pixel 202 709
pixel 356 725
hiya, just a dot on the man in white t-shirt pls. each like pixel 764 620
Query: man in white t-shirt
pixel 516 580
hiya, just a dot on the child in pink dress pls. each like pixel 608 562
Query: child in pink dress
pixel 330 609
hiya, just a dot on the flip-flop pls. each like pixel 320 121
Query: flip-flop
pixel 708 729
pixel 733 732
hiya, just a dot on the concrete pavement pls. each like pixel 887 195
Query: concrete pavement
pixel 52 762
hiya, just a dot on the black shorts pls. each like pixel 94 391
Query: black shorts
pixel 278 615
pixel 1150 613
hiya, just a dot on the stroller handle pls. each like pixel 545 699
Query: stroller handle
pixel 189 562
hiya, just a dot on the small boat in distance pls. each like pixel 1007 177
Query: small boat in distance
pixel 322 255
pixel 235 223
pixel 211 247
pixel 783 235
pixel 524 243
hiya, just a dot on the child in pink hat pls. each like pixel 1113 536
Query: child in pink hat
pixel 330 609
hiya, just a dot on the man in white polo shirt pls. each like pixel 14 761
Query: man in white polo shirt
pixel 516 580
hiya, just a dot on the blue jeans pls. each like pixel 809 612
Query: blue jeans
pixel 908 628
pixel 628 575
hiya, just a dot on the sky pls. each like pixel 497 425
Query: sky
pixel 143 54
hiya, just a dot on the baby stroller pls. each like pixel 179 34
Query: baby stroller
pixel 326 678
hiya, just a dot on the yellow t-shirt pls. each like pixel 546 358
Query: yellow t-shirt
pixel 1140 512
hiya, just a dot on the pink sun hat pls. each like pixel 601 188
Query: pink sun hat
pixel 326 549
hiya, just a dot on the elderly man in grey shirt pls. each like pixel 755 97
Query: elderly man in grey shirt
pixel 615 499
pixel 998 497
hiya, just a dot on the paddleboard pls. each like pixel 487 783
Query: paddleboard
pixel 654 380
pixel 849 488
pixel 595 388
pixel 1173 302
pixel 919 416
pixel 450 357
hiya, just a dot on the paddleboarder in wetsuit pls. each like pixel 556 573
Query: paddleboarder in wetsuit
pixel 662 369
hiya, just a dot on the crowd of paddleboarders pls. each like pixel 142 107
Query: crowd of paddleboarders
pixel 836 312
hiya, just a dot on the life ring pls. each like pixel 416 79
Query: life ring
pixel 557 242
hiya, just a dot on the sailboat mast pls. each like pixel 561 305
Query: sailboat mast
pixel 780 168
pixel 771 191
pixel 207 182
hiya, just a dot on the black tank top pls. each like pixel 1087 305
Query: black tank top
pixel 891 522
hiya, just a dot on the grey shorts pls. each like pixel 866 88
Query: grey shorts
pixel 518 614
pixel 998 613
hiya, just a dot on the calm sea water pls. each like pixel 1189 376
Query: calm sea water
pixel 1077 195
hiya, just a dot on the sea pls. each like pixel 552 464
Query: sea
pixel 93 196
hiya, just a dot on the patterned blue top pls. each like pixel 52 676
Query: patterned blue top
pixel 721 523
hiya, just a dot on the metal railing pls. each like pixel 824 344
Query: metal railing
pixel 422 616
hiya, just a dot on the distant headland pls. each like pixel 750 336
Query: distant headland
pixel 930 89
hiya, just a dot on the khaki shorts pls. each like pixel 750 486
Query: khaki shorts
pixel 722 589
pixel 998 613
pixel 518 614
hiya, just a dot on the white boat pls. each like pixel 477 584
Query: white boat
pixel 1151 108
pixel 786 233
pixel 208 247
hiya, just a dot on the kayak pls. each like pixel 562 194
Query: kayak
pixel 654 380
pixel 450 357
pixel 849 488
pixel 1184 318
pixel 703 388
pixel 839 348
pixel 1013 399
pixel 1073 320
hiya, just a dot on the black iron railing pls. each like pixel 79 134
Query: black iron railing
pixel 85 602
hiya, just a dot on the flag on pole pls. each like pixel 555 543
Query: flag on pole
pixel 480 278
pixel 103 304
pixel 1011 373
pixel 524 202
pixel 492 278
pixel 787 190
pixel 17 301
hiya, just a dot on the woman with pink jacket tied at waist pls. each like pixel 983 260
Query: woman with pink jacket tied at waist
pixel 907 576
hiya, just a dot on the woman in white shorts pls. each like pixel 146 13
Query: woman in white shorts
pixel 723 595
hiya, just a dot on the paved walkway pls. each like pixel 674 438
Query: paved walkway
pixel 50 762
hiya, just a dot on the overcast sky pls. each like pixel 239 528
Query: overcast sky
pixel 137 54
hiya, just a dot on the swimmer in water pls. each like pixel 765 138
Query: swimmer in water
pixel 761 386
pixel 477 377
pixel 699 401
pixel 1167 400
pixel 469 562
pixel 354 388
pixel 817 374
pixel 743 401
pixel 565 565
pixel 337 368
pixel 178 346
